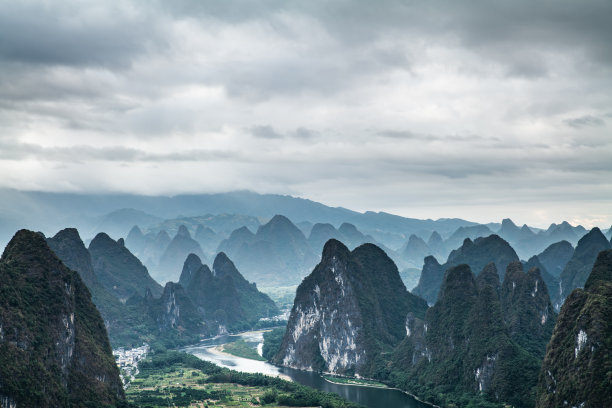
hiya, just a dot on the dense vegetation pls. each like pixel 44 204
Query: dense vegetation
pixel 577 369
pixel 272 342
pixel 265 390
pixel 241 348
pixel 53 345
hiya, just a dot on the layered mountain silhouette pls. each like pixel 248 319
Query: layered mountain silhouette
pixel 347 311
pixel 223 296
pixel 136 309
pixel 53 343
pixel 576 369
pixel 118 270
pixel 556 256
pixel 171 261
pixel 277 254
pixel 477 254
pixel 577 270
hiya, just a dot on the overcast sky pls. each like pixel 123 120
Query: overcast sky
pixel 428 109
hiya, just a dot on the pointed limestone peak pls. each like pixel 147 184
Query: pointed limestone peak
pixel 458 282
pixel 489 276
pixel 69 247
pixel 415 240
pixel 322 228
pixel 514 271
pixel 430 261
pixel 242 232
pixel 467 243
pixel 349 229
pixel 593 237
pixel 333 247
pixel 279 224
pixel 434 239
pixel 183 232
pixel 135 233
pixel 223 264
pixel 102 240
pixel 602 270
pixel 508 225
pixel 29 247
pixel 191 265
pixel 68 234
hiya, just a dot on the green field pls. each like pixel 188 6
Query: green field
pixel 240 348
pixel 176 379
pixel 354 381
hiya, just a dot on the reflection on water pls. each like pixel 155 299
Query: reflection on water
pixel 370 397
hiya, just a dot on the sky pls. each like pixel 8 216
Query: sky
pixel 428 109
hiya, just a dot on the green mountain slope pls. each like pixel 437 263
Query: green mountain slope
pixel 54 350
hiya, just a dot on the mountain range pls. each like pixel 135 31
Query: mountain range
pixel 135 308
pixel 482 337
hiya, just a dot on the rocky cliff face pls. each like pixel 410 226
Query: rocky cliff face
pixel 348 310
pixel 175 310
pixel 577 270
pixel 53 345
pixel 576 369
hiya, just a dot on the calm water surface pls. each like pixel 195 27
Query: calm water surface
pixel 370 397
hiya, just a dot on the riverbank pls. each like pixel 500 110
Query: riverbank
pixel 240 348
pixel 372 397
pixel 353 381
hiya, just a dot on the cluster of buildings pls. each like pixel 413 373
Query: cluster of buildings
pixel 127 361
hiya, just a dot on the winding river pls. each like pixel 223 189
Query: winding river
pixel 367 396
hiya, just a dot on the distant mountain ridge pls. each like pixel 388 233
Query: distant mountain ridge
pixel 51 211
pixel 477 254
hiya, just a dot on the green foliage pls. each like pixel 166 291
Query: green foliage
pixel 578 363
pixel 54 342
pixel 466 333
pixel 240 348
pixel 272 342
pixel 275 390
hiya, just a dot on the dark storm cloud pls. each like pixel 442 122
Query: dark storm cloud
pixel 68 33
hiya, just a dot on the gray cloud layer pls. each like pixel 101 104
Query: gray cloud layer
pixel 428 108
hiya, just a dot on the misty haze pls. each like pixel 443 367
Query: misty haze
pixel 334 204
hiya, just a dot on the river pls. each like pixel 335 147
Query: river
pixel 367 396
